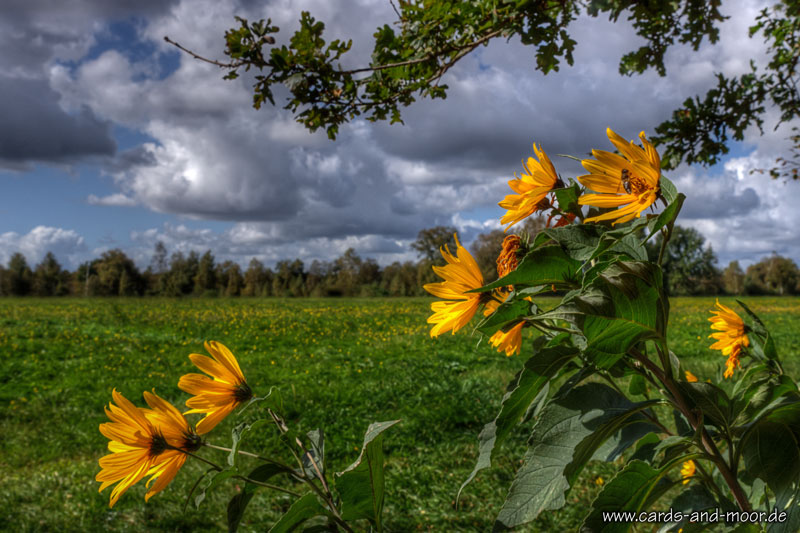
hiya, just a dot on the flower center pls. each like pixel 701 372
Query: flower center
pixel 157 445
pixel 243 392
pixel 191 441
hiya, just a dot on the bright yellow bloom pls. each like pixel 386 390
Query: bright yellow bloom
pixel 687 471
pixel 691 378
pixel 143 443
pixel 630 180
pixel 216 397
pixel 538 179
pixel 730 336
pixel 509 341
pixel 461 275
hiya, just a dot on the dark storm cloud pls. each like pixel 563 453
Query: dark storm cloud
pixel 35 128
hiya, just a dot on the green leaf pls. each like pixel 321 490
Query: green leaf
pixel 667 216
pixel 213 481
pixel 361 484
pixel 578 240
pixel 552 459
pixel 236 436
pixel 711 400
pixel 536 373
pixel 637 385
pixel 301 510
pixel 771 453
pixel 567 198
pixel 633 489
pixel 547 265
pixel 236 508
pixel 623 306
pixel 506 313
pixel 668 189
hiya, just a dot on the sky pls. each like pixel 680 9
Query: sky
pixel 112 138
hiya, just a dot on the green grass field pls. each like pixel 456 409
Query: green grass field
pixel 340 365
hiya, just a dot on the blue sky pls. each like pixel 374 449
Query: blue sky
pixel 120 141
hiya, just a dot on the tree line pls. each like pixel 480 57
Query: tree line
pixel 689 268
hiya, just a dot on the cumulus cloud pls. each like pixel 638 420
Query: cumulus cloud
pixel 66 244
pixel 289 192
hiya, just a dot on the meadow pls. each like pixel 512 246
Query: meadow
pixel 340 365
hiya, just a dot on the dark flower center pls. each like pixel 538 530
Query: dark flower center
pixel 157 445
pixel 243 392
pixel 191 441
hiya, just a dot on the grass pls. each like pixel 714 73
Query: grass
pixel 340 364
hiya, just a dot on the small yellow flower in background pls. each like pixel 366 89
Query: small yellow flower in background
pixel 140 441
pixel 461 275
pixel 691 378
pixel 532 186
pixel 630 180
pixel 730 336
pixel 599 481
pixel 509 341
pixel 216 397
pixel 687 471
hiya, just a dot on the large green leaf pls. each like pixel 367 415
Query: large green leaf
pixel 568 198
pixel 506 313
pixel 536 373
pixel 634 489
pixel 771 453
pixel 711 400
pixel 578 240
pixel 622 307
pixel 668 189
pixel 361 484
pixel 667 216
pixel 551 460
pixel 301 510
pixel 547 265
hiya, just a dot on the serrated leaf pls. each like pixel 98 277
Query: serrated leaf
pixel 667 216
pixel 536 373
pixel 361 484
pixel 506 313
pixel 541 483
pixel 668 189
pixel 578 240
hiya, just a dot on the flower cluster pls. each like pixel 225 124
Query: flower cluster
pixel 155 442
pixel 629 181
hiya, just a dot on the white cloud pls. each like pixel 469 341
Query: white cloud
pixel 116 199
pixel 65 244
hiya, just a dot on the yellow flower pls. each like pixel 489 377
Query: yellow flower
pixel 691 378
pixel 461 275
pixel 216 397
pixel 538 179
pixel 687 471
pixel 730 336
pixel 599 481
pixel 630 180
pixel 143 443
pixel 509 341
pixel 507 261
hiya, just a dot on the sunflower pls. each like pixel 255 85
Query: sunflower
pixel 461 275
pixel 508 341
pixel 532 186
pixel 630 180
pixel 143 442
pixel 730 336
pixel 687 471
pixel 216 397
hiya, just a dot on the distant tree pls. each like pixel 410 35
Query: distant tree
pixel 18 275
pixel 158 263
pixel 430 240
pixel 485 250
pixel 182 271
pixel 254 279
pixel 3 290
pixel 205 281
pixel 733 278
pixel 49 279
pixel 531 226
pixel 84 281
pixel 289 278
pixel 232 275
pixel 117 274
pixel 687 266
pixel 772 275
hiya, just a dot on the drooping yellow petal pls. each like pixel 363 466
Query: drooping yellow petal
pixel 532 186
